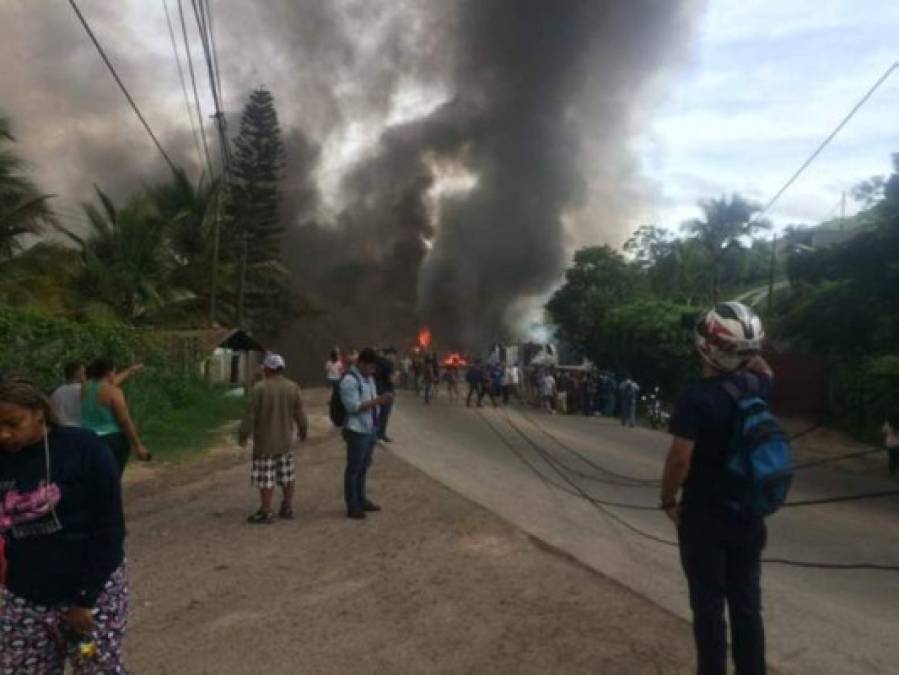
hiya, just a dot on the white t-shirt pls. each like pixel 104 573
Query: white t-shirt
pixel 333 370
pixel 548 386
pixel 66 401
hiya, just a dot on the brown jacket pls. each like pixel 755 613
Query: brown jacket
pixel 274 409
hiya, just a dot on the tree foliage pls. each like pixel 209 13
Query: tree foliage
pixel 255 230
pixel 24 209
pixel 725 224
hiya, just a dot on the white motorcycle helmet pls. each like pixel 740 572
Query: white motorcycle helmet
pixel 729 335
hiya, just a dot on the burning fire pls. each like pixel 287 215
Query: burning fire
pixel 455 360
pixel 424 338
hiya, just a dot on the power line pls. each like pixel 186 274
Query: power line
pixel 118 80
pixel 193 84
pixel 826 142
pixel 190 115
pixel 207 52
pixel 215 54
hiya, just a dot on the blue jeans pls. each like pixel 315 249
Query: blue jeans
pixel 721 557
pixel 383 418
pixel 359 448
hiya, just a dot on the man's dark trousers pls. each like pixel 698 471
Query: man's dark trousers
pixel 721 555
pixel 383 418
pixel 359 448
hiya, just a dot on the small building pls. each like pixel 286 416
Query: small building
pixel 227 356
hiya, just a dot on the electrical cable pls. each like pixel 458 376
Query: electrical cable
pixel 207 52
pixel 190 115
pixel 548 459
pixel 121 84
pixel 215 54
pixel 193 84
pixel 826 141
pixel 807 564
pixel 633 480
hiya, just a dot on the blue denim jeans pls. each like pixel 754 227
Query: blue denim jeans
pixel 359 449
pixel 383 419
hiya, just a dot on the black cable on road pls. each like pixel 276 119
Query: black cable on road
pixel 121 84
pixel 548 459
pixel 807 564
pixel 844 498
pixel 633 480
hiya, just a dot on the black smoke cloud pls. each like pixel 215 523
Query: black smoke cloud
pixel 539 103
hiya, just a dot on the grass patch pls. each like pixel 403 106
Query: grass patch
pixel 178 417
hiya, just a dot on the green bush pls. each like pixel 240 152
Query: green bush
pixel 175 410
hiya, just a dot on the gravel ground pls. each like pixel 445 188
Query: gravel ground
pixel 432 584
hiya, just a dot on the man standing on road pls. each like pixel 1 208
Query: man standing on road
pixel 720 550
pixel 274 415
pixel 360 399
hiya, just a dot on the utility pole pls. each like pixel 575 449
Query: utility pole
pixel 204 29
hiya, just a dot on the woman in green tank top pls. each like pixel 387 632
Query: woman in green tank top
pixel 105 412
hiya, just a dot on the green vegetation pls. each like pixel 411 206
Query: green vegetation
pixel 837 300
pixel 146 261
pixel 175 411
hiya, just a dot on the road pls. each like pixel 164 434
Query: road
pixel 819 622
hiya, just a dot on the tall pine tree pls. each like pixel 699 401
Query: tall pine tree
pixel 254 229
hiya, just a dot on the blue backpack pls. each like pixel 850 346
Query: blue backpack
pixel 759 466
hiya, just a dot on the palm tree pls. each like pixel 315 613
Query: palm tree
pixel 127 261
pixel 23 207
pixel 726 222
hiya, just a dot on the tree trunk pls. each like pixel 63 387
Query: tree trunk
pixel 242 280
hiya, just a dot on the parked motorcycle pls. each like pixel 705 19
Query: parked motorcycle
pixel 656 413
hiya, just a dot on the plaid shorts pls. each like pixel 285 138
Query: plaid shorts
pixel 268 472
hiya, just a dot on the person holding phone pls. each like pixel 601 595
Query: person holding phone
pixel 360 397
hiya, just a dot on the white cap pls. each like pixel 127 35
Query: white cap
pixel 274 362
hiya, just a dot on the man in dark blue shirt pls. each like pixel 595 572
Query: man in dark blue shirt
pixel 720 550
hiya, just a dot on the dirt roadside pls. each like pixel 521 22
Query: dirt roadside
pixel 433 584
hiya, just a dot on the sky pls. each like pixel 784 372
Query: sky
pixel 766 82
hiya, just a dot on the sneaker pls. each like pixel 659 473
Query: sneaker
pixel 286 513
pixel 386 439
pixel 261 518
pixel 371 507
pixel 356 515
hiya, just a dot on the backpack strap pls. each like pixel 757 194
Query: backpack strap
pixel 736 392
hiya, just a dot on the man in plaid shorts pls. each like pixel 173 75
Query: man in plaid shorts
pixel 274 416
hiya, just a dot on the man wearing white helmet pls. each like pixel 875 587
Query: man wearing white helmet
pixel 720 550
pixel 274 416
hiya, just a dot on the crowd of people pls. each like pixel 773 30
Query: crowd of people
pixel 63 570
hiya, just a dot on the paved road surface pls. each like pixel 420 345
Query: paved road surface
pixel 819 622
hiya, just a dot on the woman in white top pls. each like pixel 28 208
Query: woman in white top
pixel 334 369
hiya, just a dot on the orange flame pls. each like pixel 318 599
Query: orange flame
pixel 424 338
pixel 455 360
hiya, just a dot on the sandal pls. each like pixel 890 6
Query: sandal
pixel 286 513
pixel 261 518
